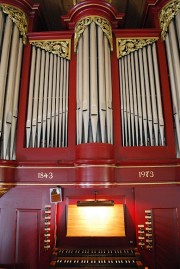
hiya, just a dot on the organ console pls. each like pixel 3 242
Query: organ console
pixel 93 258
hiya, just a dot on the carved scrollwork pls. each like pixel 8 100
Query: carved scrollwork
pixel 101 22
pixel 18 17
pixel 106 28
pixel 126 46
pixel 166 15
pixel 62 48
pixel 80 28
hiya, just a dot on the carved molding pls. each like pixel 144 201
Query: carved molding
pixel 126 46
pixel 62 47
pixel 18 17
pixel 101 22
pixel 75 2
pixel 167 13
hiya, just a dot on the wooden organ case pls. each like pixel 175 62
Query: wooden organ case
pixel 89 118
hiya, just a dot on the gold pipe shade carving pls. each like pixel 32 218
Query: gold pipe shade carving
pixel 18 17
pixel 101 22
pixel 167 13
pixel 62 47
pixel 126 46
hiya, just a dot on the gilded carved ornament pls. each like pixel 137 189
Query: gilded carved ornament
pixel 126 46
pixel 18 17
pixel 167 13
pixel 101 22
pixel 62 48
pixel 3 191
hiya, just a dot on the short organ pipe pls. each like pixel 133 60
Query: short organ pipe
pixel 47 113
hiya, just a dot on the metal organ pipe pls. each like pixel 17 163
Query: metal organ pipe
pixel 86 82
pixel 108 94
pixel 138 91
pixel 141 107
pixel 47 113
pixel 130 98
pixel 79 92
pixel 45 94
pixel 1 26
pixel 136 138
pixel 158 97
pixel 8 107
pixel 101 77
pixel 15 101
pixel 94 90
pixel 93 81
pixel 57 102
pixel 30 99
pixel 40 106
pixel 10 69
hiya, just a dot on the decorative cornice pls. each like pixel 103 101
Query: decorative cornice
pixel 126 46
pixel 61 47
pixel 18 17
pixel 167 13
pixel 101 22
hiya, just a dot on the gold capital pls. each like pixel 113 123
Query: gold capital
pixel 62 47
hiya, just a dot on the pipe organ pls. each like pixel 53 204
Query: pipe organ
pixel 91 108
pixel 11 45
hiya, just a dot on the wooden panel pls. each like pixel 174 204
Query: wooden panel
pixel 27 239
pixel 96 221
pixel 166 238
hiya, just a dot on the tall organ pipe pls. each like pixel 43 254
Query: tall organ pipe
pixel 94 85
pixel 11 49
pixel 86 82
pixel 93 80
pixel 173 90
pixel 4 66
pixel 15 101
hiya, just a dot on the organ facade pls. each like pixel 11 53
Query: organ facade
pixel 93 109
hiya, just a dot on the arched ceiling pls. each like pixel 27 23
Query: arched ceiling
pixel 54 9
